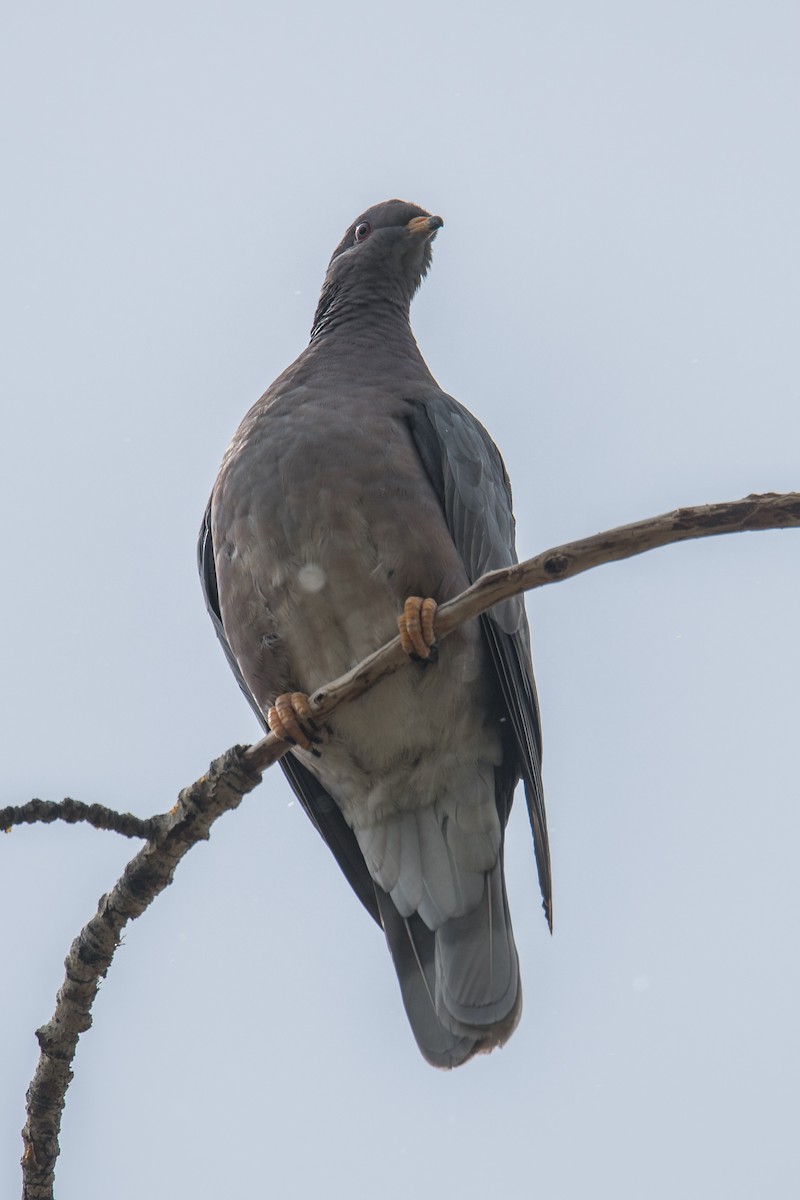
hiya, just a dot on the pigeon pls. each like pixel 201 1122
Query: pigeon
pixel 354 498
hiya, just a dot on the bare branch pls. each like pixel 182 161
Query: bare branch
pixel 146 875
pixel 238 771
pixel 770 511
pixel 74 811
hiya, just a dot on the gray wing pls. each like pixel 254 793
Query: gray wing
pixel 467 472
pixel 319 805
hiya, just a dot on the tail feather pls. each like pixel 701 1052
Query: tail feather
pixel 412 946
pixel 460 984
pixel 477 969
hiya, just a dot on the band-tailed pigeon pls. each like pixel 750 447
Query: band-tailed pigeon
pixel 353 488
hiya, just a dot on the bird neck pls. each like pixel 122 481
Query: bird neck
pixel 382 306
pixel 375 320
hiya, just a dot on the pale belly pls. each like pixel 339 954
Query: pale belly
pixel 394 746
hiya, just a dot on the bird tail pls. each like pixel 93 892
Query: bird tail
pixel 460 983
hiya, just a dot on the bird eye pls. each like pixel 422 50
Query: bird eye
pixel 363 230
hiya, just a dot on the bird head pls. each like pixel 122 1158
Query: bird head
pixel 383 257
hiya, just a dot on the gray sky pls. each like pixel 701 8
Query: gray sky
pixel 615 294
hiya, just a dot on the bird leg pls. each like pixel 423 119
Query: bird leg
pixel 290 719
pixel 417 635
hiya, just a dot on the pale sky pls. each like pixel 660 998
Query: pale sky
pixel 615 295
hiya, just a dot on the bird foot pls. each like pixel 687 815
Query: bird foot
pixel 417 635
pixel 290 719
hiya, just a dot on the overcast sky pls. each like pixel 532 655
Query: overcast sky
pixel 615 295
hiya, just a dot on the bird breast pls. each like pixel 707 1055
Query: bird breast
pixel 329 525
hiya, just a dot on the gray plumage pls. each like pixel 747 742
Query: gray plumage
pixel 353 483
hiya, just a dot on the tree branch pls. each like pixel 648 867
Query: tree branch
pixel 74 811
pixel 146 875
pixel 238 771
pixel 770 511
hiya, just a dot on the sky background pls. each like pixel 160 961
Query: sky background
pixel 615 295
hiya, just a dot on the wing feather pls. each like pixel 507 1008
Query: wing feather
pixel 468 475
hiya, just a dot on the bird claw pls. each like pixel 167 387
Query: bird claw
pixel 417 634
pixel 290 719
